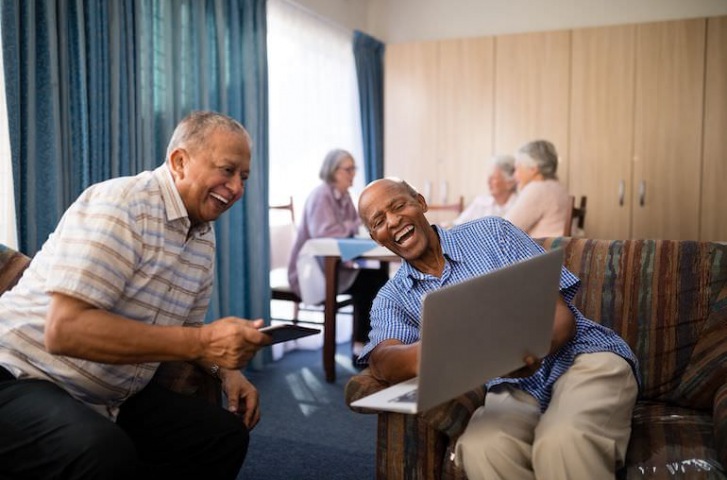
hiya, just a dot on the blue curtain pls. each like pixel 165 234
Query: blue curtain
pixel 369 54
pixel 94 90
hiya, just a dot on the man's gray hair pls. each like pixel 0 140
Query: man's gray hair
pixel 194 129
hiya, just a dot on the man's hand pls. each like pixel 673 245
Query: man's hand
pixel 532 364
pixel 242 397
pixel 231 342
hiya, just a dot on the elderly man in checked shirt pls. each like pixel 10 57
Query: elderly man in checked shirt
pixel 570 417
pixel 122 284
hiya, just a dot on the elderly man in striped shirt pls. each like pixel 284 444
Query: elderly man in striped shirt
pixel 113 292
pixel 570 417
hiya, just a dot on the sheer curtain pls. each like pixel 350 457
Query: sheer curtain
pixel 7 198
pixel 313 95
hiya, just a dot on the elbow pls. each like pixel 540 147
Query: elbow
pixel 54 338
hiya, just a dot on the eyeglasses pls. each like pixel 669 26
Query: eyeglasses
pixel 348 169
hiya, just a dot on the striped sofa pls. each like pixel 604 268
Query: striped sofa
pixel 668 300
pixel 182 377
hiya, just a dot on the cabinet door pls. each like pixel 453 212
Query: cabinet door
pixel 466 89
pixel 668 129
pixel 602 127
pixel 532 92
pixel 410 112
pixel 714 177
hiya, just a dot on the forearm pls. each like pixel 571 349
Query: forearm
pixel 564 325
pixel 391 361
pixel 104 337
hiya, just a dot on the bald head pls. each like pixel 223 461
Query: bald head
pixel 379 190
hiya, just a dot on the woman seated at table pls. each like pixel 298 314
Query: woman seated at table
pixel 330 212
pixel 501 197
pixel 542 205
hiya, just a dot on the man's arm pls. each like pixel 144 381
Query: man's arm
pixel 392 361
pixel 75 328
pixel 564 325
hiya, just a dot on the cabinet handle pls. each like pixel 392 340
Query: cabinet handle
pixel 621 191
pixel 642 193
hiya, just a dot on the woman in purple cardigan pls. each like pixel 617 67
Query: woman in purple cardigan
pixel 330 212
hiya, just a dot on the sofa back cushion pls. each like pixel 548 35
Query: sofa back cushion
pixel 12 265
pixel 668 300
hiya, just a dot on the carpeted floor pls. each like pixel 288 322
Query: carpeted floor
pixel 306 431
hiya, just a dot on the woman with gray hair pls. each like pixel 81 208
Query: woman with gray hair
pixel 330 213
pixel 502 185
pixel 541 209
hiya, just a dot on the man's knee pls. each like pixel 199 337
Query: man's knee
pixel 567 443
pixel 101 450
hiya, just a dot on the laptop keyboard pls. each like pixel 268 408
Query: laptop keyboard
pixel 410 396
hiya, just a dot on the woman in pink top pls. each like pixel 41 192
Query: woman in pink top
pixel 542 205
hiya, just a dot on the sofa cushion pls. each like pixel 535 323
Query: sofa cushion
pixel 671 441
pixel 12 265
pixel 662 297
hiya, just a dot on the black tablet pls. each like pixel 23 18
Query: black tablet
pixel 286 332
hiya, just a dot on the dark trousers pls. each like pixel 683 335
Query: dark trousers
pixel 47 434
pixel 363 291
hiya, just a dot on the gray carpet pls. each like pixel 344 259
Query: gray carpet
pixel 306 431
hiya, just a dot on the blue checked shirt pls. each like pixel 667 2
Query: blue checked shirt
pixel 472 249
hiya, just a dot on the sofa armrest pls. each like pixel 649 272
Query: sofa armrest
pixel 449 418
pixel 719 416
pixel 362 385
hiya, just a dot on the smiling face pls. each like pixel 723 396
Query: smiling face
pixel 395 219
pixel 210 176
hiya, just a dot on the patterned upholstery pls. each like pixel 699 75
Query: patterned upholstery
pixel 668 300
pixel 182 377
pixel 12 265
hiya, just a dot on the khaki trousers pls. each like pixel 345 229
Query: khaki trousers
pixel 583 433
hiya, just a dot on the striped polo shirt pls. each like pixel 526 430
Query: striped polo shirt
pixel 122 246
pixel 472 249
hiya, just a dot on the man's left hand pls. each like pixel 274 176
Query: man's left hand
pixel 242 397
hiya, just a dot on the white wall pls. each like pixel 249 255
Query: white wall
pixel 397 21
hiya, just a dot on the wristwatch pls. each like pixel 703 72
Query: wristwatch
pixel 215 370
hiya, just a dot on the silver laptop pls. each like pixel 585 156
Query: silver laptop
pixel 477 330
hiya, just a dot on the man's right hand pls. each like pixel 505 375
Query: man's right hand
pixel 231 342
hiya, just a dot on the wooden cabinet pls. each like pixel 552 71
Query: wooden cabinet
pixel 532 92
pixel 713 218
pixel 637 113
pixel 636 126
pixel 438 111
pixel 602 127
pixel 669 101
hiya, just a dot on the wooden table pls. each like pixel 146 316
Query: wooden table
pixel 328 250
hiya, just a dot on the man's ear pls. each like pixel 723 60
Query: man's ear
pixel 423 202
pixel 177 159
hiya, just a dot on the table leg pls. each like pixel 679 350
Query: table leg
pixel 329 318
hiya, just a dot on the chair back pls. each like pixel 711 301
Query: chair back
pixel 282 237
pixel 444 213
pixel 577 216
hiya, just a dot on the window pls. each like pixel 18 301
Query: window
pixel 313 100
pixel 8 234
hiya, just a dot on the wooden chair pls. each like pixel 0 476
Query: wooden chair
pixel 444 213
pixel 282 238
pixel 576 215
pixel 456 207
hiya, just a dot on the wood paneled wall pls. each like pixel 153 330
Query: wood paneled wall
pixel 637 113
